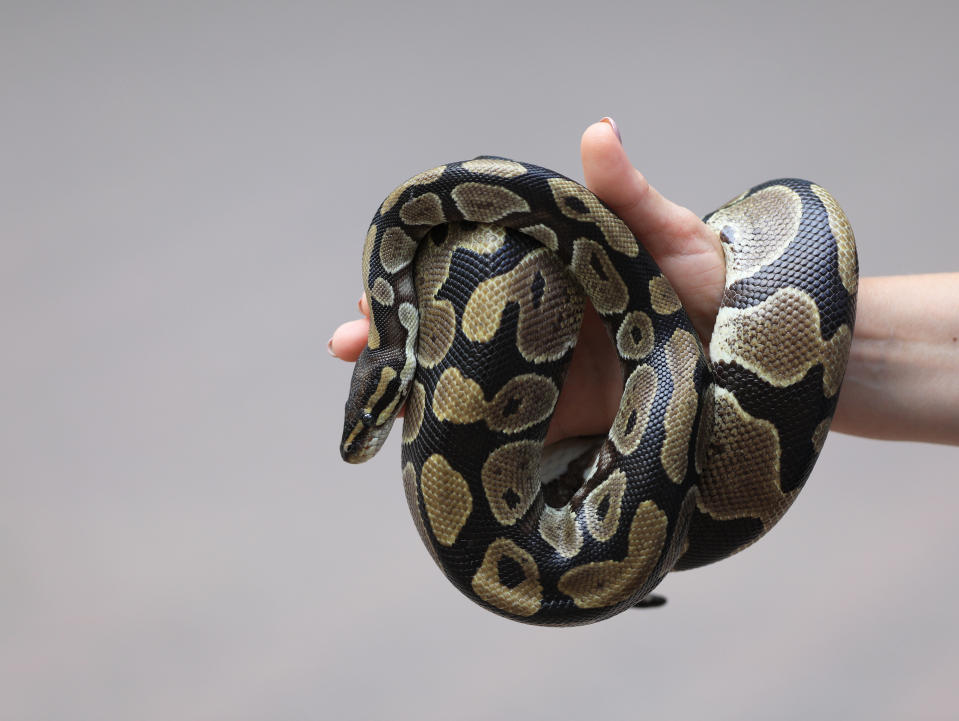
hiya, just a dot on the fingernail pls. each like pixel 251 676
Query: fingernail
pixel 359 303
pixel 329 348
pixel 612 123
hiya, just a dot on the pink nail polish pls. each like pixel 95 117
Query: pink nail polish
pixel 329 348
pixel 612 123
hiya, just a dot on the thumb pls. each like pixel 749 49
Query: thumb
pixel 688 252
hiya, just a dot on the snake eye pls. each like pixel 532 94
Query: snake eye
pixel 367 419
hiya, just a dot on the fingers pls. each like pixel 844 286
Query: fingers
pixel 349 339
pixel 664 227
pixel 686 250
pixel 613 178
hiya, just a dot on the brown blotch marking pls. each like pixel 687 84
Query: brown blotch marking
pixel 397 249
pixel 545 330
pixel 634 339
pixel 662 296
pixel 424 178
pixel 373 339
pixel 780 340
pixel 604 583
pixel 458 399
pixel 682 356
pixel 741 474
pixel 485 203
pixel 427 209
pixel 410 491
pixel 494 166
pixel 634 408
pixel 382 292
pixel 481 238
pixel 577 202
pixel 558 527
pixel 437 330
pixel 763 224
pixel 845 240
pixel 446 497
pixel 510 481
pixel 522 598
pixel 522 402
pixel 415 406
pixel 603 284
pixel 602 506
pixel 368 245
pixel 543 234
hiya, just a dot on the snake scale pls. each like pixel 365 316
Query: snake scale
pixel 477 273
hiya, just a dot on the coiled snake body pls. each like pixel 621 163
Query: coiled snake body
pixel 477 273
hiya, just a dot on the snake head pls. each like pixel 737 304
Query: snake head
pixel 362 439
pixel 374 400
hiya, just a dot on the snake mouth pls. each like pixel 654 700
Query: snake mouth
pixel 363 440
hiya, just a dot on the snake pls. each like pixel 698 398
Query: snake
pixel 477 275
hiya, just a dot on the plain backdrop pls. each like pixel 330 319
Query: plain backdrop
pixel 184 192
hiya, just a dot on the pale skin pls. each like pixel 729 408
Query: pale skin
pixel 902 381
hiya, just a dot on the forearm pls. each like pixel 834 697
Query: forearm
pixel 902 382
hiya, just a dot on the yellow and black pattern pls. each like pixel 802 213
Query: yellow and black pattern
pixel 477 273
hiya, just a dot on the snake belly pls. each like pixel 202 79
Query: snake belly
pixel 477 273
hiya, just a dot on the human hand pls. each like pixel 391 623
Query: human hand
pixel 686 250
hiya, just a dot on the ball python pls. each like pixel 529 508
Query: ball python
pixel 477 273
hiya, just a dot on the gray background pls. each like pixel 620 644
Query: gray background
pixel 185 190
